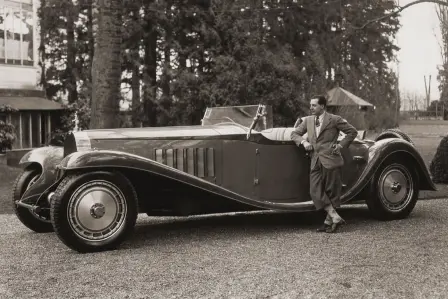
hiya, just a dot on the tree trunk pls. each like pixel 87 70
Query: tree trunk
pixel 43 56
pixel 135 87
pixel 91 45
pixel 167 57
pixel 106 67
pixel 90 36
pixel 150 77
pixel 136 111
pixel 72 76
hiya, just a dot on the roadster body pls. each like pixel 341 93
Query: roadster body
pixel 91 189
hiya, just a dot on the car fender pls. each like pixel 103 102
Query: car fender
pixel 47 159
pixel 388 149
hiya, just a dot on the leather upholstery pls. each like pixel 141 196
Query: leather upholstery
pixel 279 134
pixel 284 134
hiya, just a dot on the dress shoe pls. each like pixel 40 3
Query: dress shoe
pixel 335 226
pixel 323 228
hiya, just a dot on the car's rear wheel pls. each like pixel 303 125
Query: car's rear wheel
pixel 394 191
pixel 37 222
pixel 94 211
pixel 394 133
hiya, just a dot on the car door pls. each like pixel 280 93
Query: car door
pixel 282 173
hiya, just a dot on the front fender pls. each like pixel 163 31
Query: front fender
pixel 47 159
pixel 391 149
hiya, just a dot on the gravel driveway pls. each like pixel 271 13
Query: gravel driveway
pixel 270 255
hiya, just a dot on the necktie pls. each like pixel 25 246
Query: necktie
pixel 317 122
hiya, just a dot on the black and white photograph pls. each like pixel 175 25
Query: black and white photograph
pixel 224 149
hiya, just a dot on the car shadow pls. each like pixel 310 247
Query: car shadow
pixel 237 225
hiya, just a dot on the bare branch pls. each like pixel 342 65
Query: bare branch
pixel 400 9
pixel 441 16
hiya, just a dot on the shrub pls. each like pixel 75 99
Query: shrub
pixel 7 136
pixel 64 122
pixel 382 118
pixel 439 164
pixel 7 131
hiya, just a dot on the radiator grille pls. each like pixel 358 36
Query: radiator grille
pixel 199 162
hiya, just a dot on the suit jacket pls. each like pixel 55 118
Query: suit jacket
pixel 328 136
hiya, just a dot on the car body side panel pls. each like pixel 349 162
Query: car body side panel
pixel 282 173
pixel 239 161
pixel 101 160
pixel 48 158
pixel 355 161
pixel 266 175
pixel 202 158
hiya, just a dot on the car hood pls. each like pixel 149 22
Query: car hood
pixel 164 132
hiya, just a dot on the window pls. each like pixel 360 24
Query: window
pixel 16 32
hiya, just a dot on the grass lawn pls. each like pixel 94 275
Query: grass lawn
pixel 425 134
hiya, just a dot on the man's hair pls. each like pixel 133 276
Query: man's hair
pixel 321 100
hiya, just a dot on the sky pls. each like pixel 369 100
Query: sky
pixel 419 38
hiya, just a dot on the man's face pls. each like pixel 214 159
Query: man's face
pixel 315 108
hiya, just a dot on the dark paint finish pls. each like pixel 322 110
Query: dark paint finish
pixel 241 175
pixel 100 160
pixel 46 158
pixel 262 172
pixel 282 173
pixel 391 149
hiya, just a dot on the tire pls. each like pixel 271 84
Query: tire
pixel 37 222
pixel 394 191
pixel 394 133
pixel 94 211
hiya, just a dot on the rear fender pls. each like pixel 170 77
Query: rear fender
pixel 47 159
pixel 392 148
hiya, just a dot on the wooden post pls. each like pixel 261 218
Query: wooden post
pixel 49 126
pixel 30 129
pixel 39 127
pixel 20 130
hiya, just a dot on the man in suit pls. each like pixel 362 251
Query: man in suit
pixel 323 130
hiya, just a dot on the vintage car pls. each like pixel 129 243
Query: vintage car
pixel 91 189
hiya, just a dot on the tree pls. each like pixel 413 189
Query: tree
pixel 178 56
pixel 412 101
pixel 106 66
pixel 442 77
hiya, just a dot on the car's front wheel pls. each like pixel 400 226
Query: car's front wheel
pixel 94 211
pixel 37 222
pixel 394 191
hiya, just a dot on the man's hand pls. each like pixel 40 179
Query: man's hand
pixel 336 149
pixel 308 147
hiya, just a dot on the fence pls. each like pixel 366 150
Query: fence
pixel 422 115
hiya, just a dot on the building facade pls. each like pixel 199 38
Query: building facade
pixel 20 74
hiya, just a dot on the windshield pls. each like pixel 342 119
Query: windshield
pixel 241 115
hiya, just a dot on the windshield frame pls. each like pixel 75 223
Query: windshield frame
pixel 242 116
